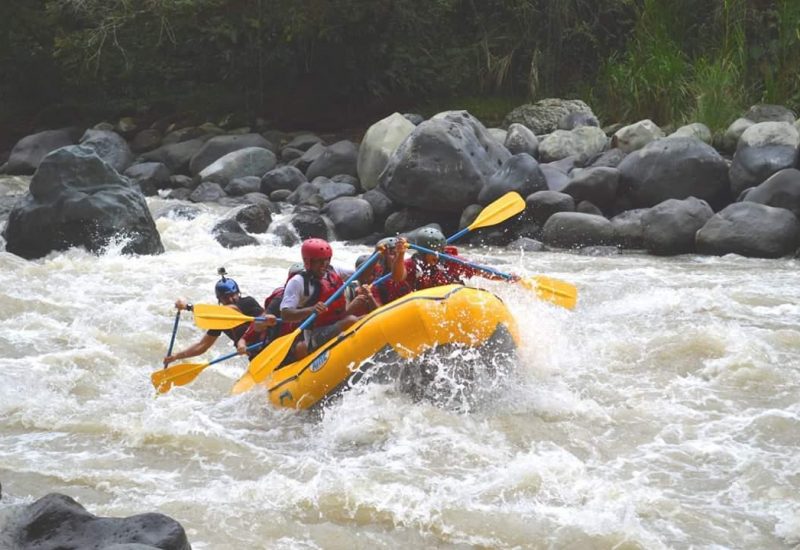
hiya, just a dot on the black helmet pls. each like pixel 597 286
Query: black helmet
pixel 430 237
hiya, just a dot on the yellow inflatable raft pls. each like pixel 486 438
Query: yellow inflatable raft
pixel 417 322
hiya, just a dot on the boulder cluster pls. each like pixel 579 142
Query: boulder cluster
pixel 621 187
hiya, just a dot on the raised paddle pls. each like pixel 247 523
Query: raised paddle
pixel 552 290
pixel 180 375
pixel 212 317
pixel 274 354
pixel 500 210
pixel 496 212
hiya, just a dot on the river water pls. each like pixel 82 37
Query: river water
pixel 662 412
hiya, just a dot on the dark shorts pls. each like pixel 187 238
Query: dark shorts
pixel 316 337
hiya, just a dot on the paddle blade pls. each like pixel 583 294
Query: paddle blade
pixel 211 317
pixel 177 375
pixel 265 362
pixel 560 293
pixel 499 211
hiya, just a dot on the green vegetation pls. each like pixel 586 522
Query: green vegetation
pixel 341 61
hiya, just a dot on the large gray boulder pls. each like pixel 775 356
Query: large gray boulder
pixel 30 150
pixel 380 141
pixel 781 190
pixel 151 176
pixel 406 219
pixel 109 146
pixel 57 522
pixel 520 173
pixel 628 229
pixel 750 229
pixel 765 112
pixel 443 164
pixel 763 149
pixel 309 224
pixel 308 157
pixel 219 146
pixel 674 168
pixel 545 115
pixel 176 156
pixel 696 130
pixel 338 158
pixel 596 185
pixel 583 143
pixel 520 139
pixel 635 136
pixel 250 161
pixel 230 234
pixel 352 217
pixel 381 205
pixel 541 205
pixel 327 190
pixel 282 177
pixel 669 228
pixel 77 199
pixel 576 230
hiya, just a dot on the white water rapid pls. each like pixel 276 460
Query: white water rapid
pixel 663 412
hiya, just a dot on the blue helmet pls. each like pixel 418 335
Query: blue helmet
pixel 225 287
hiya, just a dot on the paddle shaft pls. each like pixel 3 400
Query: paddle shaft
pixel 174 332
pixel 453 238
pixel 251 347
pixel 453 259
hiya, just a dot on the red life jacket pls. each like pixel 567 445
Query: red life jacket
pixel 324 288
pixel 431 275
pixel 388 290
pixel 272 305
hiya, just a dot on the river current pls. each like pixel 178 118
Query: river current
pixel 663 412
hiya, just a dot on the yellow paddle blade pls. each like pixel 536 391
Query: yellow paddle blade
pixel 560 293
pixel 500 210
pixel 265 362
pixel 210 317
pixel 177 375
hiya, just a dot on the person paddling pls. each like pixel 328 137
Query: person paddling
pixel 428 270
pixel 357 294
pixel 228 294
pixel 306 292
pixel 265 332
pixel 389 290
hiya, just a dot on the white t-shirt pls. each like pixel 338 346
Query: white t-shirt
pixel 293 294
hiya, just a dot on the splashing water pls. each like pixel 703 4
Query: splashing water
pixel 661 413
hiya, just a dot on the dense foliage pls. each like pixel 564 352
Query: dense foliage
pixel 669 60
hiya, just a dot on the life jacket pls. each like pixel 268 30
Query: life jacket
pixel 389 290
pixel 247 307
pixel 431 275
pixel 324 288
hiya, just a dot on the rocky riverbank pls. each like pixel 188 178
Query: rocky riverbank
pixel 619 187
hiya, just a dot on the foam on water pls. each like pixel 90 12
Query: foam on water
pixel 661 413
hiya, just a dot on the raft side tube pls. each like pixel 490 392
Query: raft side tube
pixel 451 314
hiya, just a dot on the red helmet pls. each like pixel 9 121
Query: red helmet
pixel 314 249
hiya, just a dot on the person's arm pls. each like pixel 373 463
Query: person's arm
pixel 291 311
pixel 362 303
pixel 195 349
pixel 399 272
pixel 297 314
